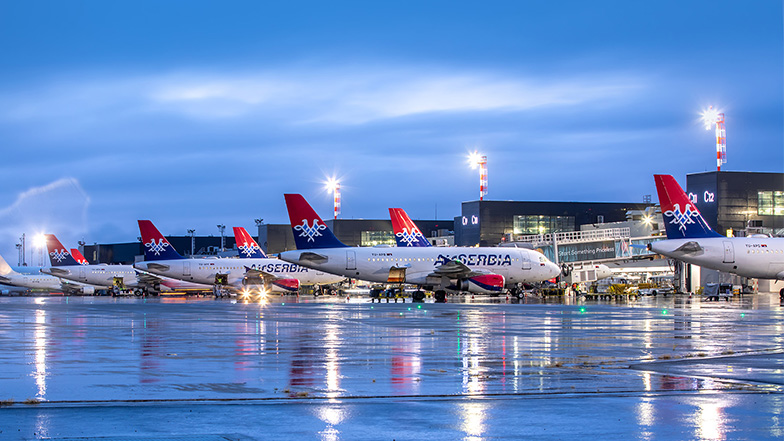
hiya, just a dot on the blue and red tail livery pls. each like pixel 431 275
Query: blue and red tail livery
pixel 58 254
pixel 406 232
pixel 246 245
pixel 682 220
pixel 79 257
pixel 309 230
pixel 156 247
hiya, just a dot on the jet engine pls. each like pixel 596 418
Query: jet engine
pixel 286 286
pixel 484 284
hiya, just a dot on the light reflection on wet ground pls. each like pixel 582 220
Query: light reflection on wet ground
pixel 703 369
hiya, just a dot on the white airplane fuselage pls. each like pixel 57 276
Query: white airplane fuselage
pixel 374 263
pixel 34 281
pixel 98 275
pixel 205 270
pixel 761 258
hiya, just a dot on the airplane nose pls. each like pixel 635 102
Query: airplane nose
pixel 555 270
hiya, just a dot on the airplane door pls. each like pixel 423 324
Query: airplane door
pixel 526 264
pixel 729 252
pixel 81 274
pixel 351 260
pixel 186 268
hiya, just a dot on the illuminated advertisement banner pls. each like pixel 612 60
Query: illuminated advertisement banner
pixel 586 251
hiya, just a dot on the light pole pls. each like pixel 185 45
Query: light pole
pixel 477 160
pixel 333 186
pixel 193 240
pixel 40 243
pixel 222 228
pixel 23 251
pixel 711 117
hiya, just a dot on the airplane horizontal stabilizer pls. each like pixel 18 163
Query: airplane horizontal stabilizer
pixel 313 257
pixel 689 247
pixel 158 266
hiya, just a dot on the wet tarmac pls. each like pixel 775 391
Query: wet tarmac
pixel 337 369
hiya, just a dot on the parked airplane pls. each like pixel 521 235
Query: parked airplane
pixel 40 281
pixel 73 266
pixel 478 270
pixel 690 239
pixel 104 276
pixel 160 257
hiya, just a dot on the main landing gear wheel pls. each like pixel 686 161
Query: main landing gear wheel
pixel 781 295
pixel 418 296
pixel 440 296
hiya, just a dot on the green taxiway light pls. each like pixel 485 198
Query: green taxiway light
pixel 419 306
pixel 664 312
pixel 742 314
pixel 582 310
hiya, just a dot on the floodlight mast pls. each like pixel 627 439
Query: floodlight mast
pixel 712 117
pixel 333 186
pixel 475 159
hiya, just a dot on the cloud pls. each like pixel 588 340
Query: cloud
pixel 325 95
pixel 59 207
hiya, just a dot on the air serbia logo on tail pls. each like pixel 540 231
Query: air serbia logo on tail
pixel 246 245
pixel 406 232
pixel 409 238
pixel 59 255
pixel 682 219
pixel 685 222
pixel 310 232
pixel 157 247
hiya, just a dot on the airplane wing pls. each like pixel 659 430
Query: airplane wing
pixel 253 273
pixel 4 279
pixel 145 277
pixel 67 285
pixel 455 269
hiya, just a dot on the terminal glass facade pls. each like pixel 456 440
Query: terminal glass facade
pixel 542 224
pixel 770 203
pixel 373 238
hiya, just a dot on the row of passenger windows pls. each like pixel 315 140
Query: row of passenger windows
pixel 409 259
pixel 764 251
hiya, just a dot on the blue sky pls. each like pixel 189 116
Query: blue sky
pixel 198 113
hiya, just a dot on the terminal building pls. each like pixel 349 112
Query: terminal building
pixel 488 223
pixel 736 202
